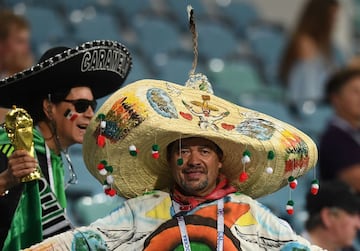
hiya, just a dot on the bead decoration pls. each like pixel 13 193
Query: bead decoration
pixel 155 151
pixel 269 170
pixel 179 161
pixel 245 160
pixel 243 176
pixel 133 150
pixel 292 182
pixel 290 207
pixel 104 169
pixel 270 156
pixel 100 141
pixel 314 187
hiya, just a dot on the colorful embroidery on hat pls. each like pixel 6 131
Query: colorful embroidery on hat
pixel 297 152
pixel 185 115
pixel 161 103
pixel 203 112
pixel 227 127
pixel 256 128
pixel 123 116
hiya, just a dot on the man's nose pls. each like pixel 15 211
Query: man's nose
pixel 194 158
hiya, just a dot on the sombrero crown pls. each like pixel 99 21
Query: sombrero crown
pixel 103 65
pixel 125 145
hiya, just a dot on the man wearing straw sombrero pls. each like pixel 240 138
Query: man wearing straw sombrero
pixel 51 104
pixel 189 187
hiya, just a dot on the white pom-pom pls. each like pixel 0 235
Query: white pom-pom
pixel 110 179
pixel 106 186
pixel 132 148
pixel 245 159
pixel 269 170
pixel 103 171
pixel 103 124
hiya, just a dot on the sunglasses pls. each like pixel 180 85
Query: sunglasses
pixel 81 105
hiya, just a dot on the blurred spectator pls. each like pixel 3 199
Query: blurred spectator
pixel 15 53
pixel 333 216
pixel 339 149
pixel 311 54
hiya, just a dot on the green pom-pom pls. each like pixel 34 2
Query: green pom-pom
pixel 180 161
pixel 110 169
pixel 290 203
pixel 103 162
pixel 101 116
pixel 155 147
pixel 291 178
pixel 246 153
pixel 133 153
pixel 315 181
pixel 271 155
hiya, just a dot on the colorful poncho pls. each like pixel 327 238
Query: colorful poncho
pixel 147 223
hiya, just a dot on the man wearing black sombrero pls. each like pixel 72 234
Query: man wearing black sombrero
pixel 58 97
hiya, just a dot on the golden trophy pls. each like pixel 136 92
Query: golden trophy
pixel 19 128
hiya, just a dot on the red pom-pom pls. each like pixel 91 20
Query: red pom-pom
pixel 290 207
pixel 293 184
pixel 314 189
pixel 100 166
pixel 101 140
pixel 290 211
pixel 155 155
pixel 243 177
pixel 110 191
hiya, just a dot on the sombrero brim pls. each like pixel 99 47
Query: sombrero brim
pixel 155 112
pixel 103 65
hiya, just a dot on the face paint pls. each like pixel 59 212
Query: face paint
pixel 70 115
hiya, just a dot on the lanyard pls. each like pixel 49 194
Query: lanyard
pixel 50 171
pixel 220 228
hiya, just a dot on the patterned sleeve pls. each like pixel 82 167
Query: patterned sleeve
pixel 112 229
pixel 259 228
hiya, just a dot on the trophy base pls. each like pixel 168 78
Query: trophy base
pixel 32 176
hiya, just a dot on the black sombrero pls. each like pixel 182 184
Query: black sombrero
pixel 103 65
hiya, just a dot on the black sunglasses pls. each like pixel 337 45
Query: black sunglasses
pixel 81 105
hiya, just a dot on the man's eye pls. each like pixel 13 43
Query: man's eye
pixel 205 151
pixel 184 151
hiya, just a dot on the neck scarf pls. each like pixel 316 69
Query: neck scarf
pixel 57 168
pixel 187 203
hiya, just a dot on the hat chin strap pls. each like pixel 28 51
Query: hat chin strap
pixel 73 176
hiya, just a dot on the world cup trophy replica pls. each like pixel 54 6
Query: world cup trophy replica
pixel 19 128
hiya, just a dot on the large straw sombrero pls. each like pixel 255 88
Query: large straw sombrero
pixel 103 65
pixel 125 145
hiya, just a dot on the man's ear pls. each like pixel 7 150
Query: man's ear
pixel 47 108
pixel 220 165
pixel 326 216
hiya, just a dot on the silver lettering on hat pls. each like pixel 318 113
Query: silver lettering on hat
pixel 109 60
